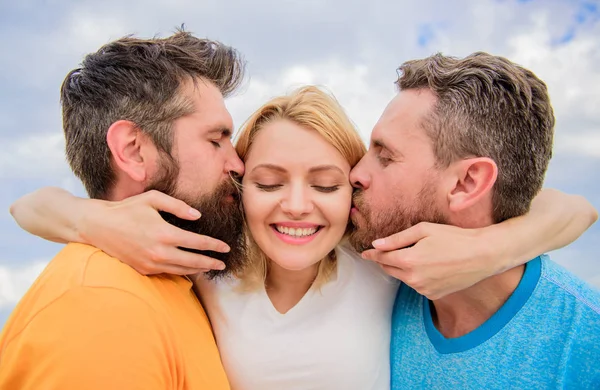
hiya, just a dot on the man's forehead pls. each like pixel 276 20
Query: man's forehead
pixel 209 107
pixel 385 130
pixel 403 116
pixel 213 121
pixel 411 105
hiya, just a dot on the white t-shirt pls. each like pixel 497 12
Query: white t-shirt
pixel 336 337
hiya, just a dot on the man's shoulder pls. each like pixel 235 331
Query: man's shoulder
pixel 566 284
pixel 78 268
pixel 408 303
pixel 76 335
pixel 79 265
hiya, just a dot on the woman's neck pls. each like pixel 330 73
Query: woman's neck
pixel 286 288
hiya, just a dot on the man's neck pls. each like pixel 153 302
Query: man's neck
pixel 460 313
pixel 124 188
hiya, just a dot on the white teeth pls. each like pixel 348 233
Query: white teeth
pixel 296 232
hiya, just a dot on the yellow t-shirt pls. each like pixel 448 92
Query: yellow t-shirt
pixel 92 322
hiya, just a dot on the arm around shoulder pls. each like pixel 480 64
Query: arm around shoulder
pixel 52 213
pixel 92 338
pixel 555 220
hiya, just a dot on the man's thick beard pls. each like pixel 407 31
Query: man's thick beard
pixel 222 218
pixel 393 220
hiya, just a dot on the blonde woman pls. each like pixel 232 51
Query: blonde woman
pixel 307 312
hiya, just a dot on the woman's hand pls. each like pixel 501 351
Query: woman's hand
pixel 437 260
pixel 130 230
pixel 442 259
pixel 133 231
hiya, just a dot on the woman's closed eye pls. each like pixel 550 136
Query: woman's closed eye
pixel 274 187
pixel 268 187
pixel 326 189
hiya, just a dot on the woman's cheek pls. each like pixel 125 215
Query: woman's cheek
pixel 338 209
pixel 254 206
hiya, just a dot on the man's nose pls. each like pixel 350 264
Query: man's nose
pixel 233 164
pixel 359 176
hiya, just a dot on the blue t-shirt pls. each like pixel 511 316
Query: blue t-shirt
pixel 545 336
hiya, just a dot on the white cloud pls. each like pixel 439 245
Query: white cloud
pixel 586 144
pixel 14 282
pixel 33 156
pixel 42 58
pixel 570 70
pixel 362 101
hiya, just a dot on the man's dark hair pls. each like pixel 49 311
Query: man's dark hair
pixel 488 106
pixel 138 80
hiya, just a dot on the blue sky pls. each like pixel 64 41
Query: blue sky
pixel 351 47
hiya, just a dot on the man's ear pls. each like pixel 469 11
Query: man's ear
pixel 473 180
pixel 129 148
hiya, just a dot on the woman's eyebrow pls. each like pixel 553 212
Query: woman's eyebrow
pixel 271 167
pixel 321 168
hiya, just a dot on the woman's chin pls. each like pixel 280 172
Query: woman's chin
pixel 296 265
pixel 295 259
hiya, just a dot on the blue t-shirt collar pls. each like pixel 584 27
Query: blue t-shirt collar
pixel 494 324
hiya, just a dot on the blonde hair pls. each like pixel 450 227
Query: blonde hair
pixel 311 108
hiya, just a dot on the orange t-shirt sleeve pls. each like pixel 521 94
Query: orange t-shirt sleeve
pixel 91 338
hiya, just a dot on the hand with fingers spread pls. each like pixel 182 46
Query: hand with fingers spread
pixel 131 230
pixel 433 259
pixel 437 260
